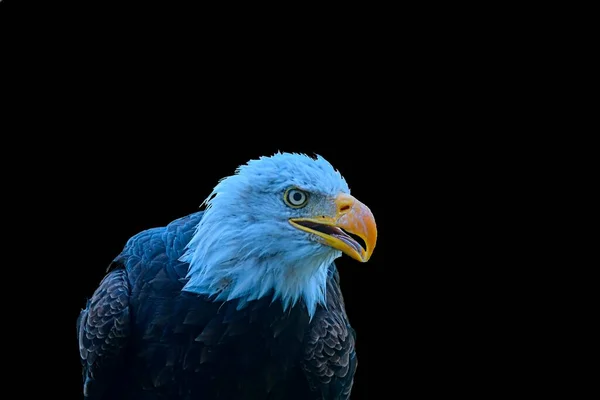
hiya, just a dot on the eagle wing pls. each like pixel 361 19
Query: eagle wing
pixel 329 354
pixel 103 330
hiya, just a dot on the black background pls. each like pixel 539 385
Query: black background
pixel 129 131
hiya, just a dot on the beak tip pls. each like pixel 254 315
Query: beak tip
pixel 365 257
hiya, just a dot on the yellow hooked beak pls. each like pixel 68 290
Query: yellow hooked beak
pixel 353 217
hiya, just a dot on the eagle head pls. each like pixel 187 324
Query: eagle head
pixel 273 228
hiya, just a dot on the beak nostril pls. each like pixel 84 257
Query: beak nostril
pixel 345 208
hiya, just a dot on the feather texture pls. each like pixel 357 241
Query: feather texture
pixel 244 247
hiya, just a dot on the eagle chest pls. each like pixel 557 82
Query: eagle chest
pixel 201 348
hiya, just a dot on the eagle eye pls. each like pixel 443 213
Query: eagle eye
pixel 295 198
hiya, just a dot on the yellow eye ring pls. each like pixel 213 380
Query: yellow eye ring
pixel 295 198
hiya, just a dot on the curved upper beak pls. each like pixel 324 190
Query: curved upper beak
pixel 352 217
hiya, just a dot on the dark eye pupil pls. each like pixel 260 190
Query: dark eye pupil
pixel 297 196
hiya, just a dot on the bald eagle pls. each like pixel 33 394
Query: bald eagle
pixel 239 301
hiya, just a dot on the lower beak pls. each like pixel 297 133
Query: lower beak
pixel 352 217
